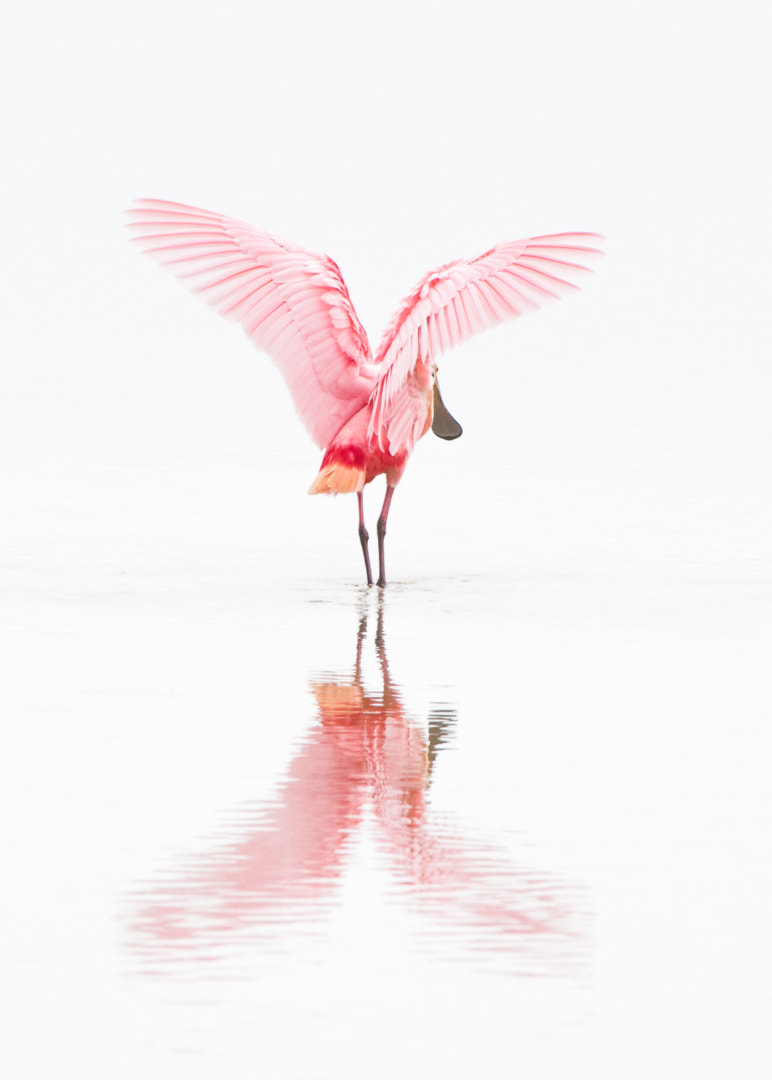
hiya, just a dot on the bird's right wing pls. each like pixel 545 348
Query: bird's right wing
pixel 292 303
pixel 457 300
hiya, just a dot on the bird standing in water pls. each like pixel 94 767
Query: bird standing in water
pixel 366 413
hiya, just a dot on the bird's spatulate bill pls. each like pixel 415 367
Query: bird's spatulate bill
pixel 443 423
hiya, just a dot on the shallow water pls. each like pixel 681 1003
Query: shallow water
pixel 514 808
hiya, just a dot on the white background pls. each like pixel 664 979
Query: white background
pixel 583 579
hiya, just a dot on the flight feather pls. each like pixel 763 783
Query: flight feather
pixel 457 300
pixel 292 303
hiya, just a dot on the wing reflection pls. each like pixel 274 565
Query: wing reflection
pixel 364 759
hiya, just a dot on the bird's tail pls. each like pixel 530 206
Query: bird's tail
pixel 343 470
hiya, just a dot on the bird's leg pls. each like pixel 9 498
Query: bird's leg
pixel 382 533
pixel 364 536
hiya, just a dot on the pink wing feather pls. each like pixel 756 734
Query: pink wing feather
pixel 455 301
pixel 292 303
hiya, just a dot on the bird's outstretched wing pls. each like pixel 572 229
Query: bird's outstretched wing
pixel 455 301
pixel 292 303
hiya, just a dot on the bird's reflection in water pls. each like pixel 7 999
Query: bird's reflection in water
pixel 364 759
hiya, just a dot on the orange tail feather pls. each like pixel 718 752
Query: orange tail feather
pixel 337 478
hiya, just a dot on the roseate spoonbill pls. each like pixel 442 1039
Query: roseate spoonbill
pixel 366 413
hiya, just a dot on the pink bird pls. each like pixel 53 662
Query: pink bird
pixel 366 413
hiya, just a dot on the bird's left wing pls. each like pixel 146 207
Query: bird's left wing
pixel 454 302
pixel 292 303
